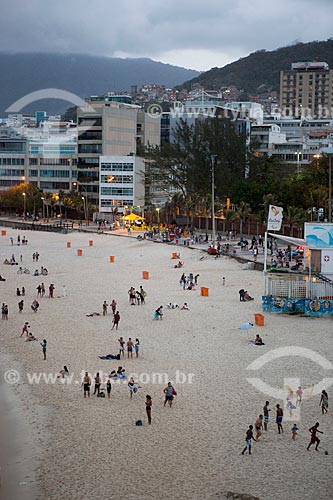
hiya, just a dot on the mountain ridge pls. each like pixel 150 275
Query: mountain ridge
pixel 83 75
pixel 262 67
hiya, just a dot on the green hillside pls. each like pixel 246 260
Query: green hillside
pixel 263 67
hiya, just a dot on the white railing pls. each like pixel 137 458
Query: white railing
pixel 298 287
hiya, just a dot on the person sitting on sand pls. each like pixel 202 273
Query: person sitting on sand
pixel 63 373
pixel 258 340
pixel 35 306
pixel 159 313
pixel 36 273
pixel 247 296
pixel 185 307
pixel 6 261
pixel 1 278
pixel 30 337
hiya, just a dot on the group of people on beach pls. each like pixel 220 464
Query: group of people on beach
pixel 262 421
pixel 136 296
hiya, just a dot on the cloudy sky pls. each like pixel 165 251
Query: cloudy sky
pixel 197 34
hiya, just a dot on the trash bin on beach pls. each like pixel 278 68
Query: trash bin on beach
pixel 69 244
pixel 204 291
pixel 259 319
pixel 3 232
pixel 174 255
pixel 91 243
pixel 79 252
pixel 145 275
pixel 111 258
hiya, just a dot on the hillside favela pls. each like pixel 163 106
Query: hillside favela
pixel 166 250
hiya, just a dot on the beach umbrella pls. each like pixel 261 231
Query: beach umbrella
pixel 247 327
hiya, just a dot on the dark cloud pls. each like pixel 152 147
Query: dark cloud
pixel 192 33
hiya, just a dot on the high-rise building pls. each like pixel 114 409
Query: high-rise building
pixel 110 126
pixel 105 128
pixel 306 90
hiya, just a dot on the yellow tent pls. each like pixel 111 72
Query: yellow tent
pixel 132 217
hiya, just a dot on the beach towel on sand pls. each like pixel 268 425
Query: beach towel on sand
pixel 110 356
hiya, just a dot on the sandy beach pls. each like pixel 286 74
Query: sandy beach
pixel 90 448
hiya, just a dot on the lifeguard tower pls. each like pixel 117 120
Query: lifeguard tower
pixel 308 289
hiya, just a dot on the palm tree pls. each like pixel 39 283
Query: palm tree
pixel 242 214
pixel 295 217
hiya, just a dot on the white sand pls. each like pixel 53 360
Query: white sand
pixel 191 451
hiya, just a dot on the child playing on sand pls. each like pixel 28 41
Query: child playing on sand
pixel 294 430
pixel 108 388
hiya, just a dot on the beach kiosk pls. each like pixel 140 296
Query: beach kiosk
pixel 309 288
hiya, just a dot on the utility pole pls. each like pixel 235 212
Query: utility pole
pixel 213 159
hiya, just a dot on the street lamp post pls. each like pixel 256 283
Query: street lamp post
pixel 84 206
pixel 24 203
pixel 76 185
pixel 158 217
pixel 213 159
pixel 43 210
pixel 298 154
pixel 329 152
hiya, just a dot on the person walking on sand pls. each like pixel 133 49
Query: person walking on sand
pixel 149 403
pixel 130 346
pixel 25 328
pixel 248 440
pixel 39 291
pixel 108 388
pixel 86 385
pixel 137 347
pixel 44 346
pixel 51 290
pixel 121 346
pixel 23 291
pixel 169 392
pixel 324 402
pixel 43 289
pixel 132 387
pixel 294 430
pixel 97 384
pixel 116 319
pixel 113 306
pixel 266 415
pixel 21 305
pixel 314 437
pixel 105 308
pixel 259 426
pixel 279 418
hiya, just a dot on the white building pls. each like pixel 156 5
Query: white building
pixel 121 183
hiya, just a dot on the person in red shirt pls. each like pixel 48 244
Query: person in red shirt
pixel 314 437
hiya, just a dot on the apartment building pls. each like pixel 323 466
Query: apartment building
pixel 110 126
pixel 306 90
pixel 52 164
pixel 12 160
pixel 121 183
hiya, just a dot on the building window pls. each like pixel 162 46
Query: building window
pixel 33 173
pixel 90 148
